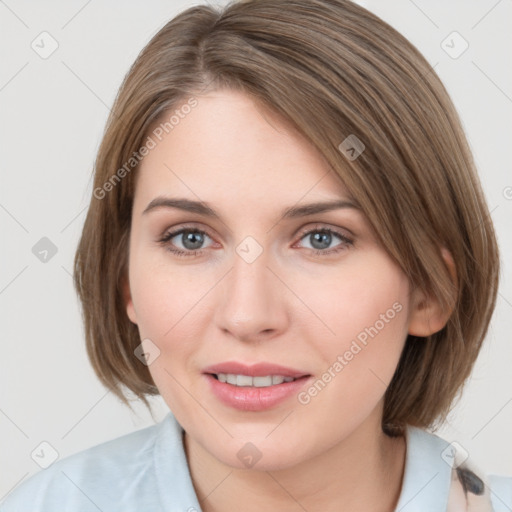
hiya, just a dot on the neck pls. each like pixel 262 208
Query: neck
pixel 362 472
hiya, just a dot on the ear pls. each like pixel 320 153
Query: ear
pixel 127 298
pixel 427 316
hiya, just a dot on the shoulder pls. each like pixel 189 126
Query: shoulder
pixel 455 483
pixel 501 492
pixel 88 480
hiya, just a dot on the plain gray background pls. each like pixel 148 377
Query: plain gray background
pixel 53 111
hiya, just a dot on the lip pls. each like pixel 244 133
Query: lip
pixel 254 370
pixel 251 398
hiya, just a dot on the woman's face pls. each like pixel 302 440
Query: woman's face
pixel 249 287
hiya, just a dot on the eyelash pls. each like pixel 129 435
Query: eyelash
pixel 179 252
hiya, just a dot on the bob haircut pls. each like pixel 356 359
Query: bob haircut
pixel 332 69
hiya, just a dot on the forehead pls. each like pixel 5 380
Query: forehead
pixel 229 149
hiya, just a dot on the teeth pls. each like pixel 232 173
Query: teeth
pixel 243 380
pixel 247 380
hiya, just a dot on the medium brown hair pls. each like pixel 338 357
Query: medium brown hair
pixel 332 69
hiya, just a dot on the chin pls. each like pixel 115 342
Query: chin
pixel 258 454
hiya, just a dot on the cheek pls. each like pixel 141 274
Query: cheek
pixel 169 312
pixel 366 310
pixel 368 295
pixel 172 309
pixel 165 297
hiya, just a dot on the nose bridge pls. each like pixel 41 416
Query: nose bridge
pixel 251 303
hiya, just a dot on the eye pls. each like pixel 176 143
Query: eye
pixel 191 240
pixel 321 238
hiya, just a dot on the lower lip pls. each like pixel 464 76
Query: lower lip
pixel 250 398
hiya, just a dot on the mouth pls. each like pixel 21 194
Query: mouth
pixel 261 374
pixel 264 381
pixel 255 387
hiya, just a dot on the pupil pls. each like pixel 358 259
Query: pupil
pixel 323 239
pixel 192 240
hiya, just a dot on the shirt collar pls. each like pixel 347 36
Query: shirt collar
pixel 427 476
pixel 173 477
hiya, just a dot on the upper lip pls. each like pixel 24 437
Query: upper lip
pixel 254 370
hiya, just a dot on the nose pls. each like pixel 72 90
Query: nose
pixel 252 304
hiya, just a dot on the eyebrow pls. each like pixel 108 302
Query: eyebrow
pixel 204 209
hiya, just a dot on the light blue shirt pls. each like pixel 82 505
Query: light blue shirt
pixel 147 471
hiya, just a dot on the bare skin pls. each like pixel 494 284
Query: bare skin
pixel 297 304
pixel 366 480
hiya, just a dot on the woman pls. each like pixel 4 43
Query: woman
pixel 288 241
